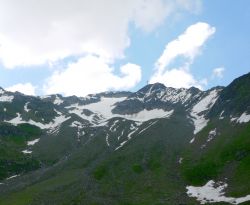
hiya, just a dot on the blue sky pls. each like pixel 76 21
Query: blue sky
pixel 80 49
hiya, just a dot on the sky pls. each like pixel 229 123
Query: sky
pixel 81 47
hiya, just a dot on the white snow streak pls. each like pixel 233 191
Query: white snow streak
pixel 204 104
pixel 107 139
pixel 26 107
pixel 79 127
pixel 130 134
pixel 221 115
pixel 134 129
pixel 33 142
pixel 113 128
pixel 121 145
pixel 192 140
pixel 211 135
pixel 14 176
pixel 152 123
pixel 26 151
pixel 233 119
pixel 120 135
pixel 52 125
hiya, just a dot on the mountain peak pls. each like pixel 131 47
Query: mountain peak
pixel 151 87
pixel 1 90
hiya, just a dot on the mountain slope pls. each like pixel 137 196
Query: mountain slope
pixel 148 147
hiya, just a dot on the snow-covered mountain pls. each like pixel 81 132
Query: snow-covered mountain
pixel 151 102
pixel 153 130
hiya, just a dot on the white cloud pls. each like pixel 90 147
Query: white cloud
pixel 26 88
pixel 33 33
pixel 218 72
pixel 151 13
pixel 178 78
pixel 187 46
pixel 194 7
pixel 92 74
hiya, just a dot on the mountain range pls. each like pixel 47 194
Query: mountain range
pixel 159 145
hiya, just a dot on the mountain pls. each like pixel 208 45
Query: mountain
pixel 159 145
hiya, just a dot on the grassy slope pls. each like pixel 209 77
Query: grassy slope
pixel 227 156
pixel 13 140
pixel 145 171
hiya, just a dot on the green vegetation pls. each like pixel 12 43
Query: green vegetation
pixel 45 189
pixel 137 168
pixel 229 156
pixel 66 170
pixel 13 139
pixel 100 172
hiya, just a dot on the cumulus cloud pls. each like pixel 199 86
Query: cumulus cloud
pixel 187 47
pixel 25 88
pixel 218 72
pixel 92 74
pixel 33 33
pixel 179 78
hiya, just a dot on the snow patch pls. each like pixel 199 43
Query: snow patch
pixel 26 109
pixel 2 91
pixel 192 140
pixel 133 129
pixel 150 124
pixel 130 134
pixel 120 135
pixel 233 119
pixel 103 111
pixel 211 135
pixel 26 151
pixel 104 106
pixel 113 127
pixel 6 98
pixel 244 118
pixel 51 126
pixel 44 96
pixel 221 115
pixel 121 145
pixel 213 192
pixel 79 127
pixel 58 101
pixel 14 176
pixel 33 142
pixel 174 96
pixel 78 110
pixel 204 104
pixel 107 140
pixel 17 120
pixel 146 115
pixel 76 124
